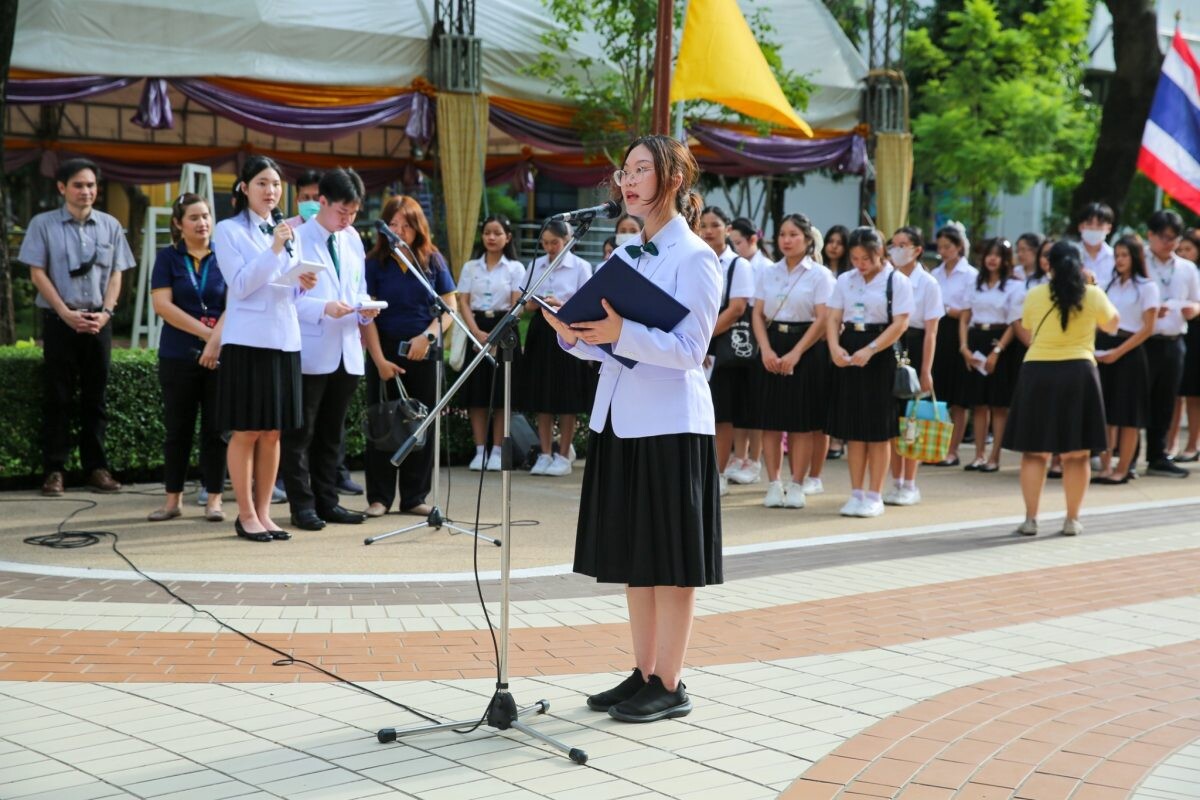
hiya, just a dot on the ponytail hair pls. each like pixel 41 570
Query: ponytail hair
pixel 806 227
pixel 671 158
pixel 179 210
pixel 1066 279
pixel 254 165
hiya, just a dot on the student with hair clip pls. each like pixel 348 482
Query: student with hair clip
pixel 553 383
pixel 259 391
pixel 488 285
pixel 1189 386
pixel 188 292
pixel 649 512
pixel 1124 371
pixel 792 381
pixel 1058 406
pixel 985 328
pixel 868 313
pixel 1026 255
pixel 956 278
pixel 834 250
pixel 748 242
pixel 920 341
pixel 728 381
pixel 409 321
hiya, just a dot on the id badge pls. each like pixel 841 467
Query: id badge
pixel 208 322
pixel 859 315
pixel 487 300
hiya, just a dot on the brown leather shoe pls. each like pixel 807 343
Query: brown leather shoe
pixel 53 485
pixel 102 481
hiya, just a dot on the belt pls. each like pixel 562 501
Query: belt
pixel 1164 337
pixel 1120 334
pixel 791 327
pixel 487 314
pixel 867 327
pixel 988 326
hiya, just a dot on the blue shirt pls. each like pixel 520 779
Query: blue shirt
pixel 408 312
pixel 171 269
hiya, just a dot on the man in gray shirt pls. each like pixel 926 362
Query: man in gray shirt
pixel 75 257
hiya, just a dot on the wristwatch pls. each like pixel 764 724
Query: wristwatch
pixel 872 344
pixel 430 337
pixel 997 350
pixel 109 311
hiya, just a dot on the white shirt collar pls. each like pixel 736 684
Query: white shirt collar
pixel 669 235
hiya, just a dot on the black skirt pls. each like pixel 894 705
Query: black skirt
pixel 1125 384
pixel 949 371
pixel 476 392
pixel 1058 407
pixel 731 401
pixel 259 389
pixel 796 403
pixel 553 381
pixel 994 390
pixel 914 343
pixel 861 405
pixel 1190 385
pixel 650 511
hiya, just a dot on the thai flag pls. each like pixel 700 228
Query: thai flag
pixel 1170 154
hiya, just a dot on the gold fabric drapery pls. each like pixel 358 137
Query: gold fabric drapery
pixel 893 180
pixel 462 142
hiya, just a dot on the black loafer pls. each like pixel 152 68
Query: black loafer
pixel 245 534
pixel 623 691
pixel 308 520
pixel 342 516
pixel 652 703
pixel 281 536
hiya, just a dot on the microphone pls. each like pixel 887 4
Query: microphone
pixel 276 218
pixel 609 210
pixel 388 233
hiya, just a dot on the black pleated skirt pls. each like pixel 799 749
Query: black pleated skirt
pixel 861 406
pixel 796 403
pixel 259 389
pixel 996 389
pixel 914 343
pixel 949 371
pixel 650 511
pixel 476 392
pixel 1190 385
pixel 732 401
pixel 552 380
pixel 1125 384
pixel 1058 407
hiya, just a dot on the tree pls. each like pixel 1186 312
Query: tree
pixel 999 108
pixel 8 326
pixel 1131 91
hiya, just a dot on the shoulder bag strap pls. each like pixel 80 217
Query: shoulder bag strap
pixel 1040 324
pixel 729 283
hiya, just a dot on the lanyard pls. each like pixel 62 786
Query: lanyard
pixel 198 285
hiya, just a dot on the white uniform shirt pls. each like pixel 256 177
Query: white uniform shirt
pixel 491 289
pixel 1102 265
pixel 1177 279
pixel 793 296
pixel 991 305
pixel 863 302
pixel 759 262
pixel 258 312
pixel 927 298
pixel 1132 299
pixel 957 285
pixel 743 276
pixel 1031 282
pixel 564 282
pixel 327 342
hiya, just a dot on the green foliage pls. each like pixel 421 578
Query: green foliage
pixel 499 202
pixel 999 108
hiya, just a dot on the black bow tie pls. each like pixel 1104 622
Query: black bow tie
pixel 636 251
pixel 267 228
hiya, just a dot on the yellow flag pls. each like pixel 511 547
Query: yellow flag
pixel 720 61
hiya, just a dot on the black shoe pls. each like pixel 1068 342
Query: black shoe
pixel 254 537
pixel 1164 468
pixel 652 703
pixel 347 485
pixel 1054 474
pixel 308 520
pixel 618 694
pixel 281 536
pixel 342 516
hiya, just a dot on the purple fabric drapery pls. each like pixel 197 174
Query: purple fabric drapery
pixel 420 127
pixel 307 124
pixel 154 109
pixel 61 90
pixel 534 133
pixel 743 154
pixel 15 159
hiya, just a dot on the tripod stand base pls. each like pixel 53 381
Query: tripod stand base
pixel 436 521
pixel 502 715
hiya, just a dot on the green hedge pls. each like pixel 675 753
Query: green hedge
pixel 135 427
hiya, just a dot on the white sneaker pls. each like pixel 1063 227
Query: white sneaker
pixel 793 496
pixel 907 497
pixel 493 462
pixel 890 496
pixel 724 485
pixel 541 465
pixel 749 472
pixel 733 467
pixel 813 486
pixel 202 497
pixel 774 498
pixel 559 467
pixel 852 507
pixel 571 454
pixel 476 462
pixel 871 508
pixel 1072 527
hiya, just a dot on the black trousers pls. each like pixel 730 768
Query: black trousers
pixel 72 358
pixel 309 456
pixel 188 388
pixel 415 474
pixel 1166 371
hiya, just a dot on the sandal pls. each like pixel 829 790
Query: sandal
pixel 163 514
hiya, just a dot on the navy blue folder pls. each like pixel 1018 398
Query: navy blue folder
pixel 630 293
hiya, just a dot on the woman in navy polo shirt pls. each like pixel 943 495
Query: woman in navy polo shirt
pixel 188 292
pixel 408 318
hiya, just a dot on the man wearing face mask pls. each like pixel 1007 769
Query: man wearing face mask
pixel 1095 225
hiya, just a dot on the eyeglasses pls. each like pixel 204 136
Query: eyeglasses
pixel 635 177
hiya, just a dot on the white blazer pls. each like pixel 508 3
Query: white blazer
pixel 326 342
pixel 666 392
pixel 257 312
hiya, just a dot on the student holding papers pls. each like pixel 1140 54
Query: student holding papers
pixel 649 512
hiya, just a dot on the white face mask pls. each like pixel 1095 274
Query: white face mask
pixel 899 256
pixel 625 238
pixel 1092 237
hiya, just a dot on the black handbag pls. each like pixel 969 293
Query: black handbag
pixel 737 346
pixel 906 385
pixel 390 423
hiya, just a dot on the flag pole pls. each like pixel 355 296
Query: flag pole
pixel 679 133
pixel 661 122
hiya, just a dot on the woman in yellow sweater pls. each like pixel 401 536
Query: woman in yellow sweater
pixel 1058 406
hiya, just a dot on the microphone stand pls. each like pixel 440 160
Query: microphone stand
pixel 502 711
pixel 436 520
